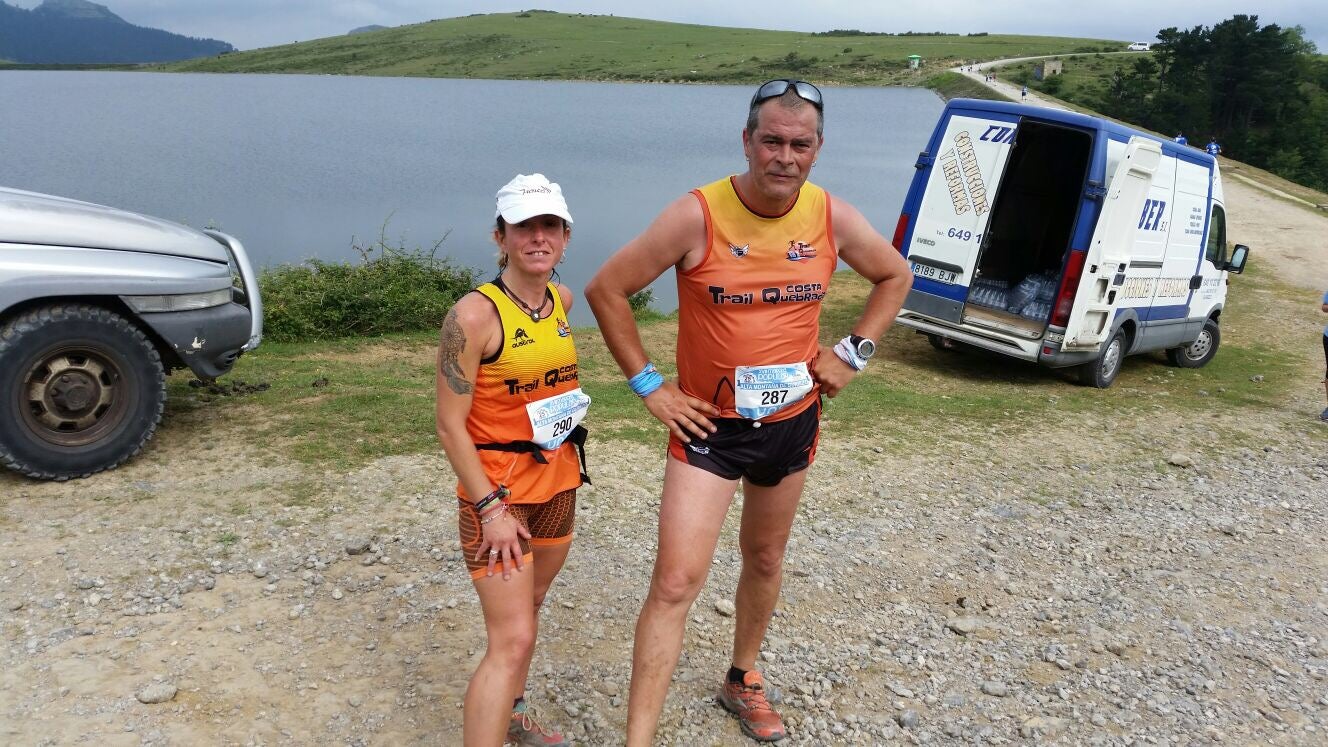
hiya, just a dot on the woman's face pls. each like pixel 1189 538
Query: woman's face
pixel 534 245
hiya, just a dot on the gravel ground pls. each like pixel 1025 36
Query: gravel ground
pixel 1167 595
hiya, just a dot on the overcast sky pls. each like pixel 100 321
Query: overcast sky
pixel 249 24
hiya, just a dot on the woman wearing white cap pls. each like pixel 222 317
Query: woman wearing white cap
pixel 509 413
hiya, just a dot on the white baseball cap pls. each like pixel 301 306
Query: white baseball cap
pixel 529 195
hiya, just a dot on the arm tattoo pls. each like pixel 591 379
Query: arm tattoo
pixel 453 340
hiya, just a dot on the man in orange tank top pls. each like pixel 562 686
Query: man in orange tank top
pixel 753 255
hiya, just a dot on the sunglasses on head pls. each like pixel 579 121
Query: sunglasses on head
pixel 775 88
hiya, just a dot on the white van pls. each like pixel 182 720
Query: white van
pixel 1138 47
pixel 1064 239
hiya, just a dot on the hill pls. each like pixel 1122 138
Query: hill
pixel 81 32
pixel 547 45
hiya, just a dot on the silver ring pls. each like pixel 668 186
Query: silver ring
pixel 493 552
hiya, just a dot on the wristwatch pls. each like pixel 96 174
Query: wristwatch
pixel 862 346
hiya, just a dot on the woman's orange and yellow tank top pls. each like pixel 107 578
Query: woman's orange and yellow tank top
pixel 537 361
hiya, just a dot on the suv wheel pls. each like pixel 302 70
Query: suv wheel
pixel 81 391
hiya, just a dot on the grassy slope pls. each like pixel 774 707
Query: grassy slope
pixel 955 86
pixel 548 45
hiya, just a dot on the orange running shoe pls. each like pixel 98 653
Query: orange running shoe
pixel 747 701
pixel 525 731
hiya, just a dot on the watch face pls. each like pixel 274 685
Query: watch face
pixel 866 348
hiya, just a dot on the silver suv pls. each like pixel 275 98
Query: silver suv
pixel 96 306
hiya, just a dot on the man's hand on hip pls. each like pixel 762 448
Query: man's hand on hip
pixel 831 373
pixel 685 415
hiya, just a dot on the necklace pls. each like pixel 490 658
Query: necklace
pixel 535 315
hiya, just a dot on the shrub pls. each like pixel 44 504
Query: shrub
pixel 391 289
pixel 640 303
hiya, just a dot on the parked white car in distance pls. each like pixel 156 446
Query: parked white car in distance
pixel 1138 47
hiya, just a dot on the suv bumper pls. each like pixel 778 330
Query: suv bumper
pixel 208 341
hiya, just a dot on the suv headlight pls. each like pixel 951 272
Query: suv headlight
pixel 179 302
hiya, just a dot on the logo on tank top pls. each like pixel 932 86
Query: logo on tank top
pixel 563 329
pixel 800 250
pixel 740 251
pixel 520 338
pixel 792 293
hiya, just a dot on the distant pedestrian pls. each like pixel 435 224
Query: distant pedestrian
pixel 1180 138
pixel 1023 95
pixel 1324 415
pixel 1212 147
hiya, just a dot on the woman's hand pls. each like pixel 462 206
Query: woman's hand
pixel 502 541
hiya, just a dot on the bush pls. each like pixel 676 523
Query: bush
pixel 391 289
pixel 640 303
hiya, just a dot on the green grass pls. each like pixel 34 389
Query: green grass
pixel 956 86
pixel 379 396
pixel 564 46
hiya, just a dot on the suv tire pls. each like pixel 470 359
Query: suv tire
pixel 81 391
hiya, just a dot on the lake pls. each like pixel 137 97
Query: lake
pixel 300 166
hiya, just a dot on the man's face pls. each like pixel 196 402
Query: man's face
pixel 781 151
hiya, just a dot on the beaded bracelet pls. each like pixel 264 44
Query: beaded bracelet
pixel 502 509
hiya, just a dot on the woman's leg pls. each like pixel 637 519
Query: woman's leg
pixel 509 620
pixel 549 560
pixel 550 524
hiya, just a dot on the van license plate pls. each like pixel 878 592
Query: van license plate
pixel 933 273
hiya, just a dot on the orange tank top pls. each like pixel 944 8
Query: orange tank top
pixel 536 362
pixel 753 304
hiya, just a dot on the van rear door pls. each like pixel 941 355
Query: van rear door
pixel 956 206
pixel 1109 252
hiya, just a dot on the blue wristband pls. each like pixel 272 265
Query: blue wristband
pixel 646 382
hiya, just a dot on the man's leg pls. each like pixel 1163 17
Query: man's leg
pixel 690 516
pixel 767 519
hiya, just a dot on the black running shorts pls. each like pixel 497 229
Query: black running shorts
pixel 764 453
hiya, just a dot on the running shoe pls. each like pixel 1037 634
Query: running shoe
pixel 526 731
pixel 1324 415
pixel 747 701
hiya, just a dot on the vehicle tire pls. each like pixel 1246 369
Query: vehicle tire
pixel 940 343
pixel 81 391
pixel 1199 352
pixel 1102 371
